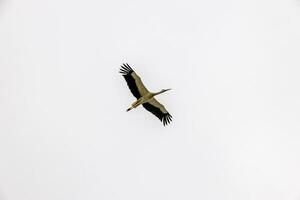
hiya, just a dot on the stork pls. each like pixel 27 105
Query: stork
pixel 143 96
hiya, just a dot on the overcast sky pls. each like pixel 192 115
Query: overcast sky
pixel 233 67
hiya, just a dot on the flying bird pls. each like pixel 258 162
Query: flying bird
pixel 143 96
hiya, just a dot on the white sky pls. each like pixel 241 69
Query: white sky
pixel 234 70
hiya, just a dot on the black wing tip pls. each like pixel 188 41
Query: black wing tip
pixel 166 119
pixel 125 69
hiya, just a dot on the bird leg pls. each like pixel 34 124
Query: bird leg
pixel 135 104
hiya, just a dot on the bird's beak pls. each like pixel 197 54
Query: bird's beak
pixel 168 89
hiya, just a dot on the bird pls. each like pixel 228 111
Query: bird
pixel 143 96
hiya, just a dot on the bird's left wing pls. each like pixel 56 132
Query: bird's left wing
pixel 134 82
pixel 158 110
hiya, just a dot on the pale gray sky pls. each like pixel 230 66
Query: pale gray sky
pixel 233 67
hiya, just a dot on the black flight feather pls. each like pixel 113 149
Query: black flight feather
pixel 164 117
pixel 127 71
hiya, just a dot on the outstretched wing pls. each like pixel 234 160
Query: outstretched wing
pixel 134 82
pixel 158 110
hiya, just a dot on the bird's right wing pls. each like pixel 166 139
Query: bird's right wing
pixel 158 110
pixel 134 82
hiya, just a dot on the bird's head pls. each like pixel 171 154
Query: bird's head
pixel 164 90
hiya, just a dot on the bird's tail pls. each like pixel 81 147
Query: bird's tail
pixel 128 109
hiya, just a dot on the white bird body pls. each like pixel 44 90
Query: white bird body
pixel 141 100
pixel 144 97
